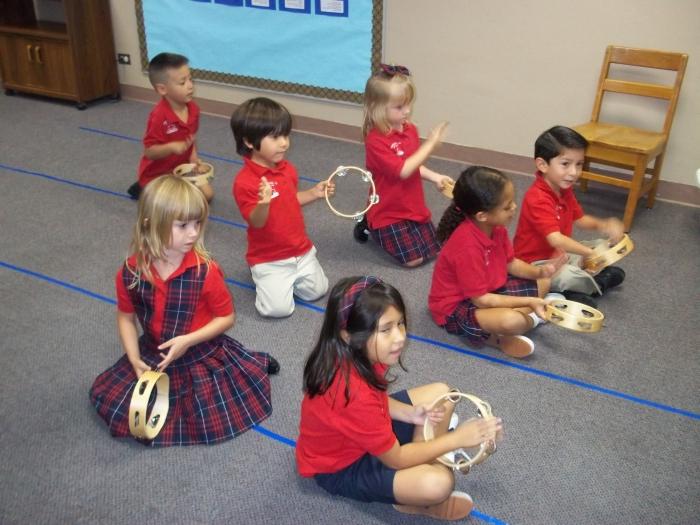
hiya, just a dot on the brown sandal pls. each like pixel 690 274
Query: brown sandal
pixel 457 506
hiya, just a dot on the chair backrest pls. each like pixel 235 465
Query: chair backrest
pixel 647 58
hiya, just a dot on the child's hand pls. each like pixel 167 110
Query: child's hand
pixel 614 230
pixel 264 191
pixel 443 181
pixel 319 190
pixel 438 132
pixel 537 304
pixel 476 431
pixel 422 412
pixel 553 265
pixel 177 346
pixel 139 367
pixel 178 147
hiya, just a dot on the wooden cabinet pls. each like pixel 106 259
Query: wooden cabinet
pixel 72 58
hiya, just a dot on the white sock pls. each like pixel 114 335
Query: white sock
pixel 537 320
pixel 551 296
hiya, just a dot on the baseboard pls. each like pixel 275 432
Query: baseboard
pixel 667 191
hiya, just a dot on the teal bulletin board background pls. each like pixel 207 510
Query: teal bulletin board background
pixel 298 52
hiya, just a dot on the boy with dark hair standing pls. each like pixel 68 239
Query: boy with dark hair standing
pixel 281 257
pixel 172 125
pixel 550 210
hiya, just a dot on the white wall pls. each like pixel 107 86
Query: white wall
pixel 502 71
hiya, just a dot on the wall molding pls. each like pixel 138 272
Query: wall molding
pixel 669 191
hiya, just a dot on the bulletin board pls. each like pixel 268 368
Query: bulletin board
pixel 318 48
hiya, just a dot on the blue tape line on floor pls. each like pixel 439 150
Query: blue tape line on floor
pixel 433 342
pixel 201 154
pixel 258 428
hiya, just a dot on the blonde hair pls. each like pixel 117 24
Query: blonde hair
pixel 378 95
pixel 163 201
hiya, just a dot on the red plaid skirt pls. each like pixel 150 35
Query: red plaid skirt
pixel 218 390
pixel 462 321
pixel 407 241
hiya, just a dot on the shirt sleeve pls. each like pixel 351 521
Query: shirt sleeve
pixel 381 159
pixel 154 130
pixel 215 293
pixel 124 303
pixel 245 195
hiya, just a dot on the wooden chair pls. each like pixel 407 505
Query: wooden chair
pixel 628 147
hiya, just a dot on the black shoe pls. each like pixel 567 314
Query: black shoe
pixel 361 231
pixel 134 191
pixel 609 277
pixel 273 367
pixel 582 298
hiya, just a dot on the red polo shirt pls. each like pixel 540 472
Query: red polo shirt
pixel 215 299
pixel 544 212
pixel 284 233
pixel 399 199
pixel 333 435
pixel 470 264
pixel 165 126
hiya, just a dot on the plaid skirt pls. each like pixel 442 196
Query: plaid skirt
pixel 407 241
pixel 462 321
pixel 218 390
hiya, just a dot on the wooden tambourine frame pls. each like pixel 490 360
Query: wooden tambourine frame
pixel 198 180
pixel 448 190
pixel 610 256
pixel 141 424
pixel 343 171
pixel 483 409
pixel 574 316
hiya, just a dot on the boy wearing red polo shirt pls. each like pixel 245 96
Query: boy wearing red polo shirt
pixel 172 125
pixel 549 212
pixel 281 257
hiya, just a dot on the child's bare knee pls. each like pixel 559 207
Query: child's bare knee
pixel 437 484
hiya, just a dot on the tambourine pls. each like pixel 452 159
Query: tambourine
pixel 142 424
pixel 610 256
pixel 448 189
pixel 464 459
pixel 191 173
pixel 350 175
pixel 574 316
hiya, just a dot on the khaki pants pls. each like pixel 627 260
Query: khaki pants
pixel 571 277
pixel 277 282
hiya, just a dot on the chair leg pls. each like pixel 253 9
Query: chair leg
pixel 656 173
pixel 583 183
pixel 634 193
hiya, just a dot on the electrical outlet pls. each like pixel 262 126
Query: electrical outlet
pixel 123 58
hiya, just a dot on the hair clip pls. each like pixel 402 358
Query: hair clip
pixel 392 69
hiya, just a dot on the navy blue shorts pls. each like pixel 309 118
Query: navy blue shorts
pixel 368 479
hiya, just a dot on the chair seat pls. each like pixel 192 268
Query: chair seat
pixel 625 138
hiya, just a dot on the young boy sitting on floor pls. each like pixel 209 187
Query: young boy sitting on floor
pixel 549 211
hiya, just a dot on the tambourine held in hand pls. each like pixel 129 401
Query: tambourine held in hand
pixel 197 174
pixel 609 256
pixel 448 189
pixel 142 424
pixel 355 192
pixel 464 459
pixel 574 316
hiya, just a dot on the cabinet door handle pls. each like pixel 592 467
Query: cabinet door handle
pixel 29 53
pixel 37 54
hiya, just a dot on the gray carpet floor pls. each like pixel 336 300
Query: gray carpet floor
pixel 600 429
